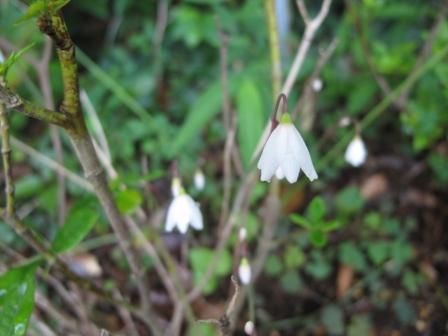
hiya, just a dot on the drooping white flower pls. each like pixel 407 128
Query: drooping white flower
pixel 244 271
pixel 356 152
pixel 2 58
pixel 249 327
pixel 183 212
pixel 317 84
pixel 285 153
pixel 199 180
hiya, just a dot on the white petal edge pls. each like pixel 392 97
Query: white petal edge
pixel 268 162
pixel 305 162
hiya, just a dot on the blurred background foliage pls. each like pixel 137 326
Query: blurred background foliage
pixel 362 251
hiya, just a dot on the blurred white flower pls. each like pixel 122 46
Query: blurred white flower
pixel 345 121
pixel 176 186
pixel 183 212
pixel 244 271
pixel 2 58
pixel 249 327
pixel 199 180
pixel 242 234
pixel 285 153
pixel 317 84
pixel 356 152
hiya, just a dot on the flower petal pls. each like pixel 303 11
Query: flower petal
pixel 196 217
pixel 170 217
pixel 303 154
pixel 291 167
pixel 279 174
pixel 268 161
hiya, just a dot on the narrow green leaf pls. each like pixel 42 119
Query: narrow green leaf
pixel 300 220
pixel 203 110
pixel 35 9
pixel 250 120
pixel 79 222
pixel 12 59
pixel 17 288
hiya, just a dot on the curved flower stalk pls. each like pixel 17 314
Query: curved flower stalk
pixel 356 152
pixel 183 210
pixel 285 154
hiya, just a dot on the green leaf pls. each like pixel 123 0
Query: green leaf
pixel 250 121
pixel 378 251
pixel 318 267
pixel 128 200
pixel 13 58
pixel 291 282
pixel 359 325
pixel 299 220
pixel 316 210
pixel 318 238
pixel 330 225
pixel 333 319
pixel 349 254
pixel 200 259
pixel 294 257
pixel 207 105
pixel 273 265
pixel 349 200
pixel 17 288
pixel 40 7
pixel 78 224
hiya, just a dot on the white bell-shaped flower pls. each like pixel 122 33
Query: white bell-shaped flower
pixel 2 58
pixel 183 212
pixel 356 152
pixel 249 327
pixel 199 180
pixel 285 153
pixel 244 271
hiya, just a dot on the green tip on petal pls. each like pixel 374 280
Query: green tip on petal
pixel 285 119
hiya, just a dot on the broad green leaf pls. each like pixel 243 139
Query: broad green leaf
pixel 316 210
pixel 250 120
pixel 333 319
pixel 318 238
pixel 17 288
pixel 350 255
pixel 349 200
pixel 299 220
pixel 318 267
pixel 378 251
pixel 200 259
pixel 291 282
pixel 78 224
pixel 273 265
pixel 294 257
pixel 128 200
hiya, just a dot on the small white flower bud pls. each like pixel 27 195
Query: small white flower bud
pixel 199 180
pixel 344 121
pixel 244 271
pixel 317 84
pixel 249 327
pixel 356 152
pixel 2 58
pixel 242 234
